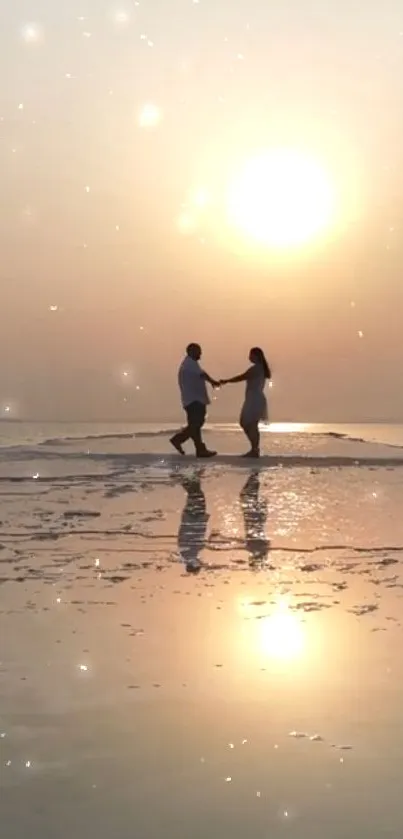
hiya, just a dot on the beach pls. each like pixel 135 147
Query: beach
pixel 201 649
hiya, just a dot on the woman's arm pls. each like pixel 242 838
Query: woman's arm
pixel 242 378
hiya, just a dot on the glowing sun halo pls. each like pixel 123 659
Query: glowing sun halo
pixel 281 199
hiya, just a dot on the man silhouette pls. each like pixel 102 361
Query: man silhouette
pixel 193 523
pixel 192 385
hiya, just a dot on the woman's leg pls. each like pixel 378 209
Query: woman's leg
pixel 254 437
pixel 252 432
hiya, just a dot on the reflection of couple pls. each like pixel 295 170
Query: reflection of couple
pixel 194 520
pixel 192 384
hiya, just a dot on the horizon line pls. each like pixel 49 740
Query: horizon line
pixel 121 421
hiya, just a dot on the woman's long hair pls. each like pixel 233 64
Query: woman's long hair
pixel 260 357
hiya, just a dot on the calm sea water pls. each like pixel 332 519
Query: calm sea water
pixel 31 433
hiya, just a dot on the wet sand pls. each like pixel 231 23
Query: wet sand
pixel 202 652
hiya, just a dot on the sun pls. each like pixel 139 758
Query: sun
pixel 281 199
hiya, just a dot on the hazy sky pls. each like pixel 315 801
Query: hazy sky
pixel 95 204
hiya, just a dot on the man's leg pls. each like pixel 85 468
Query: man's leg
pixel 196 419
pixel 181 437
pixel 196 414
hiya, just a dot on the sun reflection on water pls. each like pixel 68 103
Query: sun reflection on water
pixel 279 634
pixel 288 427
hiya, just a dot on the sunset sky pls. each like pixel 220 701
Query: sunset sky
pixel 123 129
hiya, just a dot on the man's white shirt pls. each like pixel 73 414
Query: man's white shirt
pixel 192 385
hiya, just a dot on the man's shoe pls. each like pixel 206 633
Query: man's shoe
pixel 206 453
pixel 174 442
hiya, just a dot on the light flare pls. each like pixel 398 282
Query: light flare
pixel 32 33
pixel 149 116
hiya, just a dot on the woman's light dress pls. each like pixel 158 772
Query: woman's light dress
pixel 254 408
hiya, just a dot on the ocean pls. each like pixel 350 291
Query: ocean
pixel 201 648
pixel 34 433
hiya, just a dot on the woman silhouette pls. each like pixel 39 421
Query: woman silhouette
pixel 254 511
pixel 254 408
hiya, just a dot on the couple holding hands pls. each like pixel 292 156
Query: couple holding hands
pixel 193 389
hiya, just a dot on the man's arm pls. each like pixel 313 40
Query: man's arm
pixel 208 379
